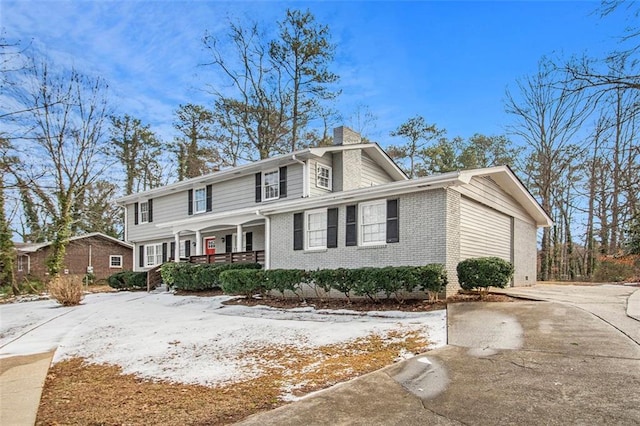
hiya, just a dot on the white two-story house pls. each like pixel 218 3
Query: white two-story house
pixel 346 205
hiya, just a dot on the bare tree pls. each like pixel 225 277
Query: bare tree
pixel 254 106
pixel 62 137
pixel 547 119
pixel 7 249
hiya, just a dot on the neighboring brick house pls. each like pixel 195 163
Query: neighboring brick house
pixel 347 205
pixel 97 253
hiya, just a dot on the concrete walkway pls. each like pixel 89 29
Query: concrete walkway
pixel 21 382
pixel 506 363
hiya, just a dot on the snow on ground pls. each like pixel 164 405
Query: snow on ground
pixel 188 339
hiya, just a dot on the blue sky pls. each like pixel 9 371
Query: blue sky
pixel 447 61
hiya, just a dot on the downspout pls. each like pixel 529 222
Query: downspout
pixel 124 230
pixel 305 176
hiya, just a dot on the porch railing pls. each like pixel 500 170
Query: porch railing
pixel 154 278
pixel 256 256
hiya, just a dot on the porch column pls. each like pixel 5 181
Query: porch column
pixel 239 238
pixel 267 242
pixel 176 249
pixel 198 243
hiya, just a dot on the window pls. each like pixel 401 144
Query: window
pixel 20 263
pixel 144 212
pixel 115 261
pixel 200 200
pixel 323 176
pixel 271 185
pixel 316 230
pixel 153 254
pixel 183 249
pixel 373 222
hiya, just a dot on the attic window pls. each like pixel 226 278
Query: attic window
pixel 323 176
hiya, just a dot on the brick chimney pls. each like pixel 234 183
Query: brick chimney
pixel 345 136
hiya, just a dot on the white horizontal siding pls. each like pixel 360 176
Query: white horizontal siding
pixel 486 191
pixel 484 231
pixel 372 173
pixel 229 195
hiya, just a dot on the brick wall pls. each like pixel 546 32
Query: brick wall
pixel 422 238
pixel 77 258
pixel 453 241
pixel 524 253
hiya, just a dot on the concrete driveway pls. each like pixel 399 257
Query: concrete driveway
pixel 570 360
pixel 617 305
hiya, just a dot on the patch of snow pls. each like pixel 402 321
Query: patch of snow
pixel 189 339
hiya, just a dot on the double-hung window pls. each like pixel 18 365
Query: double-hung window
pixel 153 254
pixel 200 200
pixel 115 261
pixel 323 176
pixel 271 185
pixel 144 212
pixel 373 222
pixel 316 232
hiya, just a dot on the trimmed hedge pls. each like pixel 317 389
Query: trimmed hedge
pixel 367 282
pixel 484 272
pixel 198 277
pixel 245 282
pixel 128 280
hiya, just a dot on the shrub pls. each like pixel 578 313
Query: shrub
pixel 399 280
pixel 66 290
pixel 128 280
pixel 167 272
pixel 246 282
pixel 484 272
pixel 337 279
pixel 367 282
pixel 611 269
pixel 285 279
pixel 199 277
pixel 432 279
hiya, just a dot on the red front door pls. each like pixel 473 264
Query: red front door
pixel 210 245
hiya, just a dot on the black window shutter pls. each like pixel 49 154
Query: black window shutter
pixel 190 200
pixel 258 187
pixel 209 198
pixel 298 231
pixel 393 228
pixel 283 182
pixel 332 228
pixel 352 226
pixel 135 213
pixel 228 243
pixel 249 238
pixel 164 252
pixel 141 256
pixel 173 250
pixel 187 248
pixel 150 204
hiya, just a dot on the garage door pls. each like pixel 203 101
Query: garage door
pixel 484 231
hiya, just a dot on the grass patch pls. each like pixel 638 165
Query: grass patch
pixel 77 393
